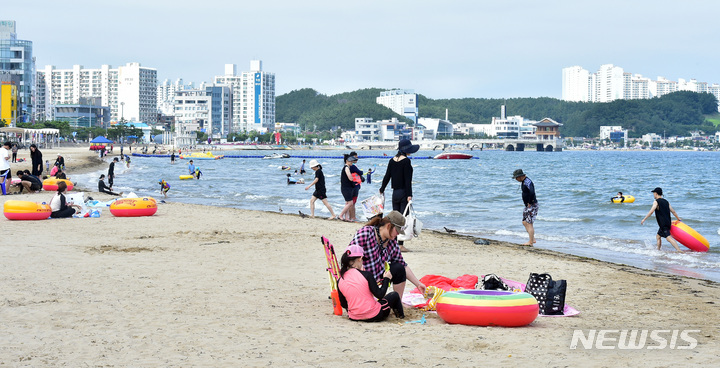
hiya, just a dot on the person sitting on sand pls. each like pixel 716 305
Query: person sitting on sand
pixel 29 182
pixel 164 187
pixel 102 188
pixel 619 196
pixel 378 240
pixel 60 208
pixel 358 290
pixel 60 174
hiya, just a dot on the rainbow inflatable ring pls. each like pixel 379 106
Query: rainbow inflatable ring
pixel 51 184
pixel 487 308
pixel 688 237
pixel 24 210
pixel 134 207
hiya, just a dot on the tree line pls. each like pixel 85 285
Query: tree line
pixel 676 113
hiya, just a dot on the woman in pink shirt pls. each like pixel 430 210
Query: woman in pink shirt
pixel 358 290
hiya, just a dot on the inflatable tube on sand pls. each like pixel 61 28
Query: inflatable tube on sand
pixel 24 210
pixel 51 184
pixel 487 308
pixel 134 207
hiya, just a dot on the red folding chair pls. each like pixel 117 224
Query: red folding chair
pixel 333 270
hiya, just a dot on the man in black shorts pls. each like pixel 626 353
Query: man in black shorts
pixel 29 182
pixel 530 210
pixel 662 209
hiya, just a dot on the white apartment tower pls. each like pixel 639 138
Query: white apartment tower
pixel 130 91
pixel 576 84
pixel 253 97
pixel 609 83
pixel 402 102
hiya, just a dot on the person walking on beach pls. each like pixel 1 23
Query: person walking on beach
pixel 662 209
pixel 531 204
pixel 36 160
pixel 360 294
pixel 111 172
pixel 399 174
pixel 358 179
pixel 320 190
pixel 347 188
pixel 378 241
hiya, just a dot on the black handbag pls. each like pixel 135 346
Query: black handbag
pixel 549 293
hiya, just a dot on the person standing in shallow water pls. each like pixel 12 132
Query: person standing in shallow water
pixel 662 209
pixel 531 204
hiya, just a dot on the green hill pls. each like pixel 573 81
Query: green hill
pixel 676 113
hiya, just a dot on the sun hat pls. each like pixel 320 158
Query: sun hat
pixel 314 163
pixel 354 251
pixel 405 146
pixel 657 190
pixel 518 173
pixel 352 159
pixel 397 219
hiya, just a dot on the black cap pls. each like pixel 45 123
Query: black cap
pixel 657 190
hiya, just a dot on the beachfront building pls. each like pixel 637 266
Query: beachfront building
pixel 434 128
pixel 253 97
pixel 208 110
pixel 368 130
pixel 651 139
pixel 614 133
pixel 9 106
pixel 130 90
pixel 402 101
pixel 547 129
pixel 512 127
pixel 87 113
pixel 16 60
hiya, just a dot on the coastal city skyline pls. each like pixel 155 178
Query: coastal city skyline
pixel 485 50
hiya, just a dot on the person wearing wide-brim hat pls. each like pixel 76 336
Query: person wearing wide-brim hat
pixel 320 190
pixel 530 210
pixel 400 172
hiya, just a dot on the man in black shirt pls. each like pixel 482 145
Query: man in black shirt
pixel 662 209
pixel 29 182
pixel 111 172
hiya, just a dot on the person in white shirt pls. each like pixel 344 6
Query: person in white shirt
pixel 4 164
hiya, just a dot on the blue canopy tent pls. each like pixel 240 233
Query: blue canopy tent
pixel 100 139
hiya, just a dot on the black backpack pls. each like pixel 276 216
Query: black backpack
pixel 493 282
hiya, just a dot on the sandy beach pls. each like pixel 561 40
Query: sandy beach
pixel 222 287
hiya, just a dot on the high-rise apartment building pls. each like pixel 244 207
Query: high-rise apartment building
pixel 130 91
pixel 166 92
pixel 611 83
pixel 207 109
pixel 402 101
pixel 253 97
pixel 16 59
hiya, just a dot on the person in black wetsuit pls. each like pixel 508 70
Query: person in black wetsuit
pixel 400 170
pixel 61 208
pixel 102 188
pixel 662 209
pixel 36 158
pixel 111 172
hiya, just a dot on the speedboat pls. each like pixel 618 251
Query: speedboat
pixel 276 155
pixel 453 156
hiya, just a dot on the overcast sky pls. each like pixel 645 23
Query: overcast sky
pixel 441 49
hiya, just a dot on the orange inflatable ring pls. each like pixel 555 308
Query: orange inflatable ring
pixel 24 210
pixel 51 184
pixel 487 308
pixel 134 207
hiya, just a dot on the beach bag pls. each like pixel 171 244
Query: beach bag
pixel 373 206
pixel 492 282
pixel 413 225
pixel 549 293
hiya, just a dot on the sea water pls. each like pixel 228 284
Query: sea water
pixel 479 197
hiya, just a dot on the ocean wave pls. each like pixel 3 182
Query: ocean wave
pixel 563 219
